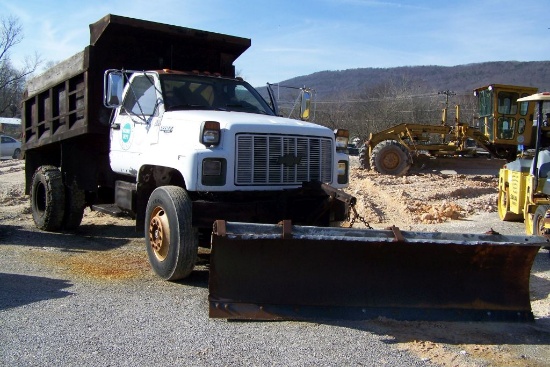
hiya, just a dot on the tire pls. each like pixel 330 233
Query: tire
pixel 509 154
pixel 16 154
pixel 504 212
pixel 538 218
pixel 75 203
pixel 364 157
pixel 47 198
pixel 171 240
pixel 390 158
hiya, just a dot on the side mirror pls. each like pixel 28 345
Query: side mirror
pixel 305 106
pixel 113 85
pixel 273 99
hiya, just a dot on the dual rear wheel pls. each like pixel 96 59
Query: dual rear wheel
pixel 54 205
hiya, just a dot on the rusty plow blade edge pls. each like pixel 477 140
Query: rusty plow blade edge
pixel 273 272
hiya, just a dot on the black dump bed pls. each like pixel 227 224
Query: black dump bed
pixel 67 100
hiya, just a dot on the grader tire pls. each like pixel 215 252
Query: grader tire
pixel 172 242
pixel 390 158
pixel 364 158
pixel 47 198
pixel 504 207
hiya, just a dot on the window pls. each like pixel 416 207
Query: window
pixel 507 104
pixel 505 128
pixel 485 105
pixel 141 98
pixel 187 92
pixel 523 106
pixel 7 140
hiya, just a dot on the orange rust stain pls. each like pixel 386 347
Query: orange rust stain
pixel 103 265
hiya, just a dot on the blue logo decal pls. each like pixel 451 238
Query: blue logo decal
pixel 126 133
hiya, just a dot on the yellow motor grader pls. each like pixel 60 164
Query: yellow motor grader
pixel 524 186
pixel 502 125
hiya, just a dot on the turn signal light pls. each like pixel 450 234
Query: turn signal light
pixel 210 133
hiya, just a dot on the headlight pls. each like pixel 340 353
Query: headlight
pixel 342 139
pixel 210 133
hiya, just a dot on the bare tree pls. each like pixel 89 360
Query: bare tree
pixel 12 79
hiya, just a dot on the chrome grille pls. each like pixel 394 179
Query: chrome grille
pixel 282 159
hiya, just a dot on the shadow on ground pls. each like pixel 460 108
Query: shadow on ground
pixel 18 290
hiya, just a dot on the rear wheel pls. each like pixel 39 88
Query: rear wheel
pixel 47 198
pixel 16 153
pixel 504 207
pixel 390 158
pixel 75 202
pixel 364 157
pixel 172 242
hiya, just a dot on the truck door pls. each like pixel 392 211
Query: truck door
pixel 135 128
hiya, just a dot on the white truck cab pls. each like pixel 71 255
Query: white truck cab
pixel 218 133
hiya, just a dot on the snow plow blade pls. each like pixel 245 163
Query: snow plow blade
pixel 285 272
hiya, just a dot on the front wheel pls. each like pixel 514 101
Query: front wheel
pixel 171 240
pixel 390 158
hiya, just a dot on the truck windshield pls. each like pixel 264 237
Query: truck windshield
pixel 190 92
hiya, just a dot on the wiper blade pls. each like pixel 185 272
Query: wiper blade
pixel 189 107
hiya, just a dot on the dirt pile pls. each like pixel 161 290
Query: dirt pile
pixel 421 198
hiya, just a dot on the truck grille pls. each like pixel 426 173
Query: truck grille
pixel 282 160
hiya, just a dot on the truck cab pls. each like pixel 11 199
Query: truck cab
pixel 217 133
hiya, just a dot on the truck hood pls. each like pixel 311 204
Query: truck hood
pixel 247 122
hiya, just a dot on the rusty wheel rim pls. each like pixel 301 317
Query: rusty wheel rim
pixel 159 233
pixel 390 161
pixel 539 226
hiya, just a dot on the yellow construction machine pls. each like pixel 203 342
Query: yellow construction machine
pixel 524 186
pixel 501 126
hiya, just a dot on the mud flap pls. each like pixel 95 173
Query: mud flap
pixel 276 272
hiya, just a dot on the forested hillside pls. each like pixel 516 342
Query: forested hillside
pixel 371 99
pixel 461 78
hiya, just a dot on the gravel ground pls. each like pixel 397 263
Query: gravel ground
pixel 89 299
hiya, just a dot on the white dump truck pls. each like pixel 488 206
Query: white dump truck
pixel 177 150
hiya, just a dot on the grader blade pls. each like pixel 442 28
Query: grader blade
pixel 274 272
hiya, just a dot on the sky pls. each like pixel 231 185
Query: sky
pixel 292 38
